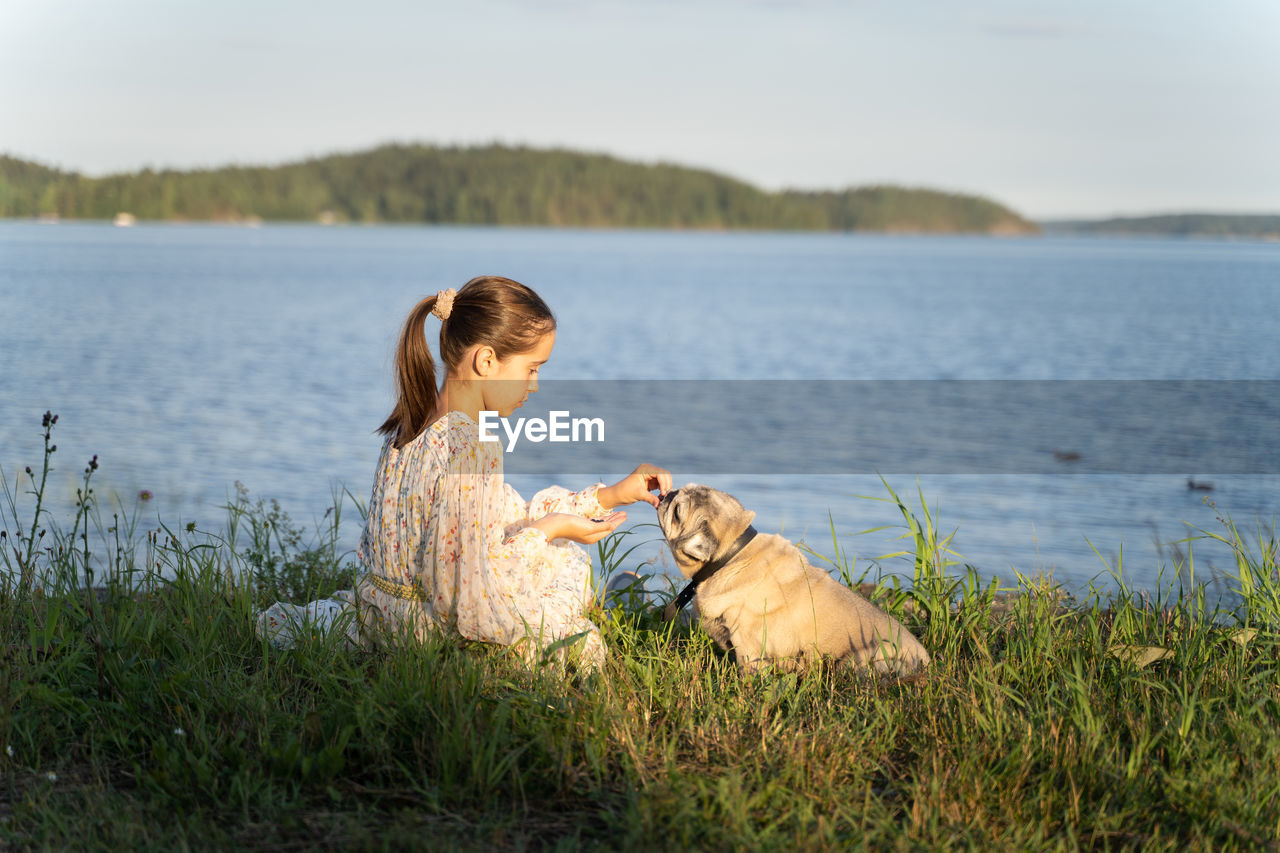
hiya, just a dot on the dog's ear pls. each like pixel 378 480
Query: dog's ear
pixel 740 524
pixel 699 546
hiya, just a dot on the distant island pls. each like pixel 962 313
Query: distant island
pixel 1256 227
pixel 488 185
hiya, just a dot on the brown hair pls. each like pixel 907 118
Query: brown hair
pixel 488 310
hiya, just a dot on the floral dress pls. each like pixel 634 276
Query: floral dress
pixel 448 546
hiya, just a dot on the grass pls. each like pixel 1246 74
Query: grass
pixel 148 714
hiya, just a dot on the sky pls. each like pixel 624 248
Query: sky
pixel 1088 108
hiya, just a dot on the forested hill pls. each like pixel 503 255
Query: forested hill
pixel 492 185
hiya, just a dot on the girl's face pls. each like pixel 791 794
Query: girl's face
pixel 516 377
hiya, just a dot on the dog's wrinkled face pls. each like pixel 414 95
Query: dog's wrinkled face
pixel 700 523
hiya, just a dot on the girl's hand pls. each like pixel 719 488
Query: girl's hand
pixel 588 531
pixel 636 486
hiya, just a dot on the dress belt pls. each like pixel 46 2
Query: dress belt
pixel 405 591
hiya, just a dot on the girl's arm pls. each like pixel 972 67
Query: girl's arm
pixel 557 513
pixel 594 501
pixel 553 499
pixel 588 531
pixel 636 486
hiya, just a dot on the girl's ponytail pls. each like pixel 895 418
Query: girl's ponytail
pixel 415 379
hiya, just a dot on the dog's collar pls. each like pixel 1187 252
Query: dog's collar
pixel 686 594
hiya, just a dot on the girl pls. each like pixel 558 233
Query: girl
pixel 448 544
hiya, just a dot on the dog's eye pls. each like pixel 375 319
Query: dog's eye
pixel 675 513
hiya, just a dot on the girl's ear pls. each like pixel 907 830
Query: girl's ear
pixel 484 361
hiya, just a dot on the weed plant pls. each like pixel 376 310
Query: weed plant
pixel 140 710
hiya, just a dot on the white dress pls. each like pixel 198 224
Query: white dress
pixel 447 546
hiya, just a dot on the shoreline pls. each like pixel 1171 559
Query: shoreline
pixel 1047 232
pixel 996 234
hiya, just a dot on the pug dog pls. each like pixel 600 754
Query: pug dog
pixel 758 596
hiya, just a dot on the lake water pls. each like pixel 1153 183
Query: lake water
pixel 189 357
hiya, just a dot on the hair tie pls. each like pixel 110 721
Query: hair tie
pixel 444 303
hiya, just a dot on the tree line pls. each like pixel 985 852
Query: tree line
pixel 488 185
pixel 1256 226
